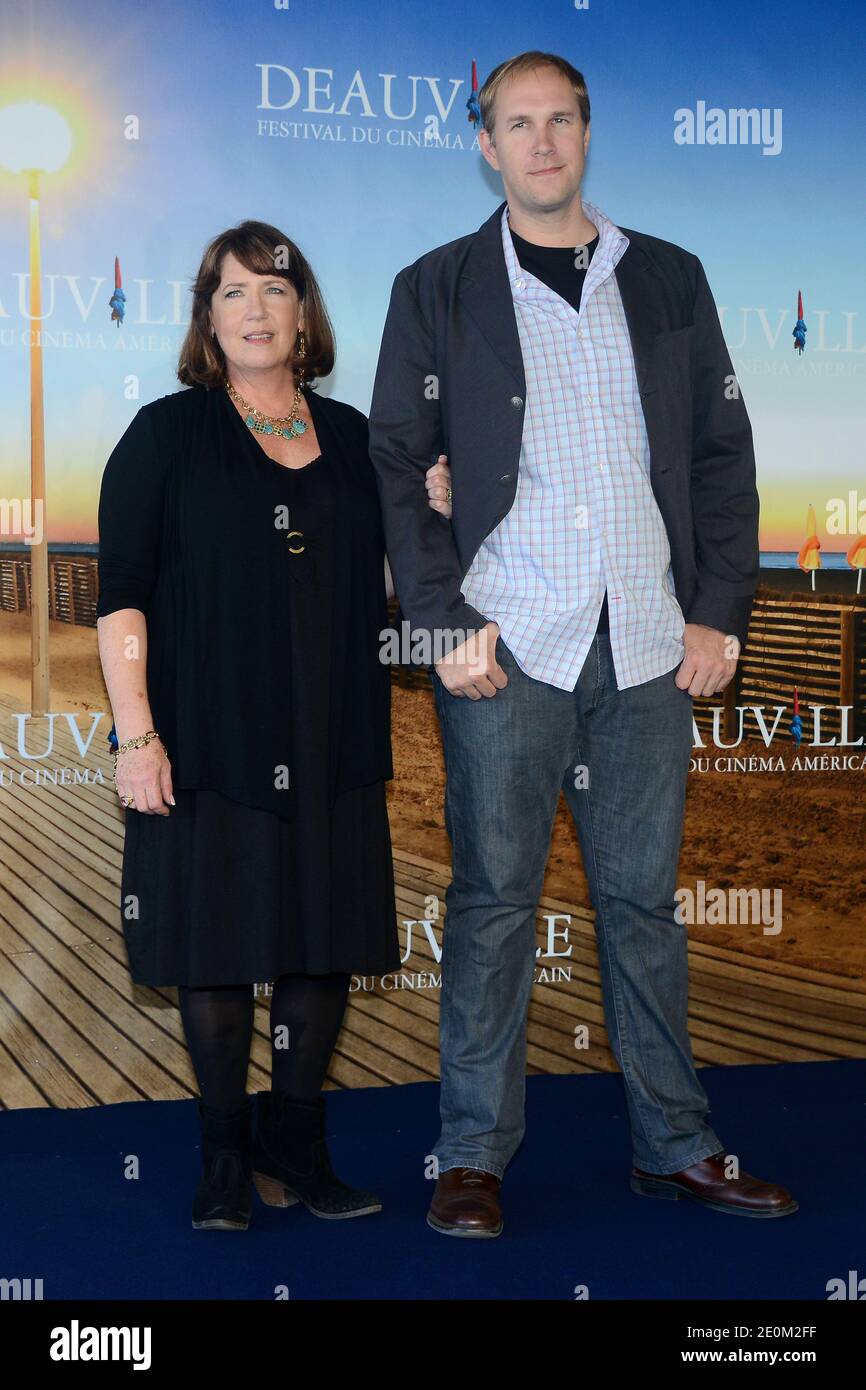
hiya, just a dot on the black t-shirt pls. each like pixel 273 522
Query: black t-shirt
pixel 556 267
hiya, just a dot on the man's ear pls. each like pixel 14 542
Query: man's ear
pixel 488 149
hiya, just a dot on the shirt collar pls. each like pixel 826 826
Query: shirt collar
pixel 612 242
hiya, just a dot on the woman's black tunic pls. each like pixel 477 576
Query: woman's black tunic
pixel 224 890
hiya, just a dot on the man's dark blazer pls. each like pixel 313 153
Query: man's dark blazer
pixel 450 380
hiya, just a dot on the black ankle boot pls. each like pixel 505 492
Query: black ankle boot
pixel 222 1202
pixel 291 1162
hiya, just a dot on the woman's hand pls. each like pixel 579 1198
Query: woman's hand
pixel 438 483
pixel 145 775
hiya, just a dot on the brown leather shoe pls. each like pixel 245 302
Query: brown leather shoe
pixel 466 1203
pixel 705 1182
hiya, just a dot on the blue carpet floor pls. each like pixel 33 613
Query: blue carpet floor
pixel 72 1219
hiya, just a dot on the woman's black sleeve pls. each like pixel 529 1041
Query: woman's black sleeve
pixel 131 518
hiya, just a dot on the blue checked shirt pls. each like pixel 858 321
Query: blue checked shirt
pixel 584 514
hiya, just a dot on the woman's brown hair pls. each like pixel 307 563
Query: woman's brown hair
pixel 264 250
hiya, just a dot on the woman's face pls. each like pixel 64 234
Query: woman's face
pixel 256 317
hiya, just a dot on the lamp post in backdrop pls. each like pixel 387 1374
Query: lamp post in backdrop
pixel 34 140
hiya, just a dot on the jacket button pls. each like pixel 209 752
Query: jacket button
pixel 517 402
pixel 506 478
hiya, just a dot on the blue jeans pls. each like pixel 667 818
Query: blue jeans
pixel 506 758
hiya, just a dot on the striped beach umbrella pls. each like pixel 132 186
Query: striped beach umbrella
pixel 809 558
pixel 472 104
pixel 799 333
pixel 856 557
pixel 796 722
pixel 118 299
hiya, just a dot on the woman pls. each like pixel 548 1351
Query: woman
pixel 242 592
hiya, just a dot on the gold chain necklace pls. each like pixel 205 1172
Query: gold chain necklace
pixel 289 426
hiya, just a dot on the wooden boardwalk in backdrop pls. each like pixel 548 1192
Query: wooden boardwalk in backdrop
pixel 74 1031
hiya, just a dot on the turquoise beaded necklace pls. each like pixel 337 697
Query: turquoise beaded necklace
pixel 289 426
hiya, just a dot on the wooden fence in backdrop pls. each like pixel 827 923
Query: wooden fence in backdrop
pixel 72 586
pixel 815 647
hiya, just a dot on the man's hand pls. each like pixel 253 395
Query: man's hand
pixel 710 660
pixel 472 669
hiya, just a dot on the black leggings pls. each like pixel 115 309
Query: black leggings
pixel 306 1016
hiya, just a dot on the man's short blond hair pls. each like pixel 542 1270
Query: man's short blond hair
pixel 528 62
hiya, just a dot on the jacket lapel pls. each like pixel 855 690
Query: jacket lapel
pixel 486 295
pixel 636 281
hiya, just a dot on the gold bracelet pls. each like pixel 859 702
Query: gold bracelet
pixel 140 742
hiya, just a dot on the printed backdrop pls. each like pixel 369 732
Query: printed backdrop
pixel 730 130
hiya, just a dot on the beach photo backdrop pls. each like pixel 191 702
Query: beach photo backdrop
pixel 153 127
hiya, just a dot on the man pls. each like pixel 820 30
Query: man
pixel 597 573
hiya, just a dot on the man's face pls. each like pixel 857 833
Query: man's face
pixel 541 141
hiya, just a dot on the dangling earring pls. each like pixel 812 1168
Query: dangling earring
pixel 302 352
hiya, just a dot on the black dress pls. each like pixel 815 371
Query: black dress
pixel 230 893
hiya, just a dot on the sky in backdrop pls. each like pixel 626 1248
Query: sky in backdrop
pixel 344 171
